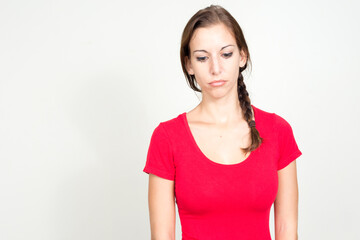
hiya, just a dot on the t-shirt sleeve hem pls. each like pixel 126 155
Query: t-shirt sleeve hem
pixel 158 173
pixel 289 159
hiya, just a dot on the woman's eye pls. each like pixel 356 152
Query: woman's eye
pixel 227 55
pixel 201 59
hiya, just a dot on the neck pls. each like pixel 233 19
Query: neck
pixel 223 111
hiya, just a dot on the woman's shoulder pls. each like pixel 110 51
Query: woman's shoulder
pixel 269 117
pixel 167 129
pixel 172 123
pixel 262 115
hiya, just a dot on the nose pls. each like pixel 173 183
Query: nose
pixel 215 68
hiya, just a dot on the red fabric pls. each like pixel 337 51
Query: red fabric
pixel 218 201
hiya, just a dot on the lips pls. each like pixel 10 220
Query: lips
pixel 217 83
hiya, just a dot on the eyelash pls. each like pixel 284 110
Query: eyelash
pixel 201 59
pixel 226 55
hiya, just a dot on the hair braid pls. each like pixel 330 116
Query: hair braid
pixel 245 105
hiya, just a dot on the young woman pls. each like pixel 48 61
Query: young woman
pixel 222 170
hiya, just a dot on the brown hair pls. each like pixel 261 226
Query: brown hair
pixel 206 17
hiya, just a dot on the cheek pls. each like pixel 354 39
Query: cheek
pixel 236 69
pixel 200 70
pixel 232 68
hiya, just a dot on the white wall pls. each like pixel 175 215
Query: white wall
pixel 84 83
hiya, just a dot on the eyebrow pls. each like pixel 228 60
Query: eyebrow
pixel 206 51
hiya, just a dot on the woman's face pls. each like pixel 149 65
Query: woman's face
pixel 214 55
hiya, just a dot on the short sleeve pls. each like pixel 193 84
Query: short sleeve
pixel 159 160
pixel 288 148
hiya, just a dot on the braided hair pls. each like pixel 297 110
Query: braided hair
pixel 245 105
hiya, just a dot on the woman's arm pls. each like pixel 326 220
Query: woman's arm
pixel 286 204
pixel 161 199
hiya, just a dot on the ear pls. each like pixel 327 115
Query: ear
pixel 243 59
pixel 188 66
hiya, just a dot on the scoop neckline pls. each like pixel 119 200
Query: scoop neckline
pixel 191 136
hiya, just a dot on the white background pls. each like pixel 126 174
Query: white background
pixel 84 83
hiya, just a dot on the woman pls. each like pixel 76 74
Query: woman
pixel 222 170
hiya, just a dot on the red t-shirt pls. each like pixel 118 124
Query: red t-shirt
pixel 222 201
